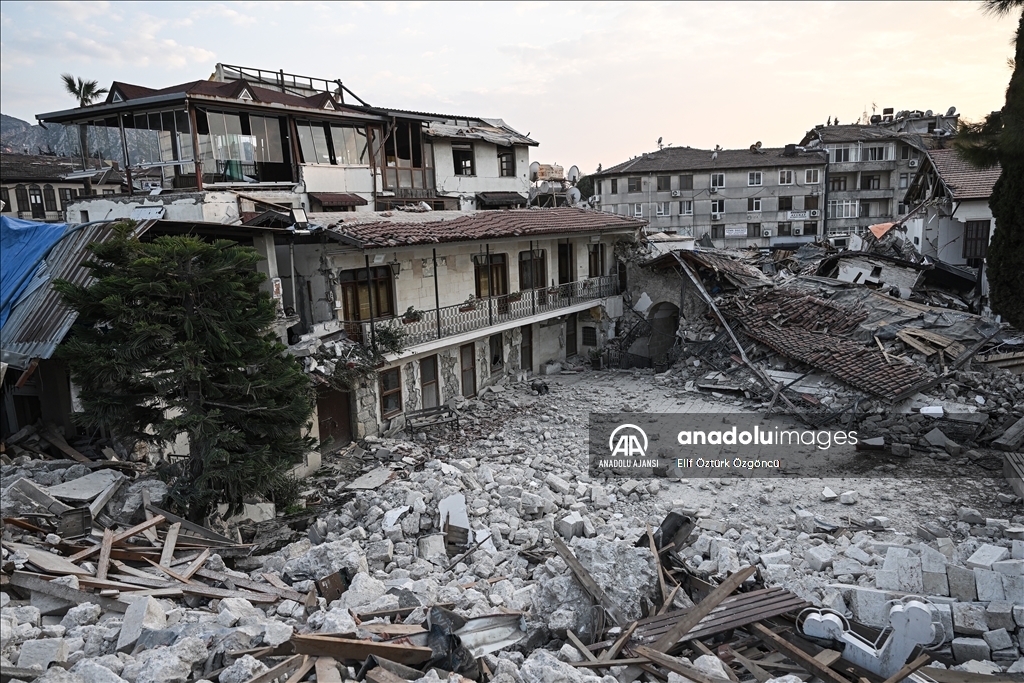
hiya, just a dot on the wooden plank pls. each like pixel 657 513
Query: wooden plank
pixel 1012 438
pixel 300 673
pixel 620 642
pixel 578 644
pixel 196 564
pixel 119 538
pixel 951 676
pixel 343 649
pixel 103 564
pixel 285 668
pixel 211 592
pixel 149 533
pixel 286 592
pixel 756 671
pixel 194 528
pixel 46 561
pixel 143 578
pixel 169 542
pixel 275 580
pixel 100 502
pixel 170 572
pixel 601 664
pixel 812 665
pixel 57 440
pixel 327 670
pixel 909 668
pixel 592 587
pixel 1013 470
pixel 35 583
pixel 677 665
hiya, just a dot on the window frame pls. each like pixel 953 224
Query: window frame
pixel 638 210
pixel 430 387
pixel 595 259
pixel 685 207
pixel 810 227
pixel 755 179
pixel 615 186
pixel 462 152
pixel 353 284
pixel 634 184
pixel 837 183
pixel 686 181
pixel 663 208
pixel 786 177
pixel 785 229
pixel 664 183
pixel 753 230
pixel 386 394
pixel 786 203
pixel 720 177
pixel 972 238
pixel 720 203
pixel 499 341
pixel 808 176
pixel 510 156
pixel 753 204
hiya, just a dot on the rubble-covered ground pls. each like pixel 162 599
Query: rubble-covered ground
pixel 516 473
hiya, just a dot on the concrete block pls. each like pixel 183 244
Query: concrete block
pixel 570 526
pixel 777 557
pixel 935 583
pixel 932 560
pixel 432 546
pixel 1018 615
pixel 805 521
pixel 999 614
pixel 848 497
pixel 945 614
pixel 43 652
pixel 1017 550
pixel 859 554
pixel 990 585
pixel 969 618
pixel 1011 567
pixel 998 639
pixel 845 565
pixel 966 649
pixel 908 572
pixel 962 584
pixel 987 555
pixel 381 551
pixel 887 580
pixel 144 613
pixel 869 607
pixel 819 557
pixel 1013 589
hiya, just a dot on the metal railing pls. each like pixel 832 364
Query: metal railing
pixel 449 321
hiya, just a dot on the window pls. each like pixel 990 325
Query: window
pixel 615 185
pixel 870 182
pixel 904 151
pixel 67 195
pixel 753 204
pixel 866 210
pixel 785 229
pixel 600 187
pixel 358 288
pixel 904 180
pixel 812 176
pixel 686 207
pixel 349 144
pixel 5 197
pixel 876 153
pixel 83 216
pixel 49 198
pixel 686 182
pixel 839 153
pixel 109 192
pixel 842 208
pixel 976 239
pixel 664 183
pixel 497 352
pixel 638 210
pixel 717 231
pixel 661 209
pixel 491 274
pixel 312 142
pixel 901 208
pixel 21 195
pixel 785 177
pixel 35 199
pixel 753 229
pixel 595 260
pixel 810 202
pixel 754 179
pixel 717 180
pixel 428 382
pixel 532 269
pixel 717 206
pixel 811 228
pixel 785 203
pixel 507 164
pixel 837 183
pixel 390 392
pixel 462 154
pixel 634 185
pixel 589 336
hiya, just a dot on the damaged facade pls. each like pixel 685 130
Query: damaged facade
pixel 42 188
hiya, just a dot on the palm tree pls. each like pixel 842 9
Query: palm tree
pixel 999 139
pixel 86 92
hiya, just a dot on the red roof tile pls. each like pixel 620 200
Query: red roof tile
pixel 963 180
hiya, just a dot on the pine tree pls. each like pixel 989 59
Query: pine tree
pixel 173 338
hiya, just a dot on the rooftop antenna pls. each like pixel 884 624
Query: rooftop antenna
pixel 660 146
pixel 714 154
pixel 574 174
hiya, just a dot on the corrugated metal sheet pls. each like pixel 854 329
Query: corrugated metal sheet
pixel 39 321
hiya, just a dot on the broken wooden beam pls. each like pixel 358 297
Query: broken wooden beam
pixel 344 648
pixel 809 663
pixel 119 538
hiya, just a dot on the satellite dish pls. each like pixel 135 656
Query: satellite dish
pixel 928 113
pixel 574 174
pixel 951 111
pixel 534 170
pixel 757 144
pixel 545 187
pixel 573 195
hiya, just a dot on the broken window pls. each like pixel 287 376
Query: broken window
pixel 754 179
pixel 976 240
pixel 785 177
pixel 717 180
pixel 350 145
pixel 595 260
pixel 664 183
pixel 589 335
pixel 785 229
pixel 408 159
pixel 785 203
pixel 870 182
pixel 497 353
pixel 717 231
pixel 811 228
pixel 686 207
pixel 811 176
pixel 429 383
pixel 390 392
pixel 837 183
pixel 754 204
pixel 661 208
pixel 810 202
pixel 312 142
pixel 865 210
pixel 360 287
pixel 462 154
pixel 615 185
pixel 634 185
pixel 507 164
pixel 901 208
pixel 686 182
pixel 753 229
pixel 717 206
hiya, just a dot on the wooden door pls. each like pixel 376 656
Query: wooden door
pixel 467 354
pixel 526 348
pixel 334 414
pixel 566 264
pixel 570 335
pixel 428 380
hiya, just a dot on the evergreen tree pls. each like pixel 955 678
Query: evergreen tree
pixel 999 139
pixel 173 338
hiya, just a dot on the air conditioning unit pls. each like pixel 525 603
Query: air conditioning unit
pixel 914 163
pixel 716 216
pixel 713 190
pixel 814 213
pixel 766 233
pixel 675 193
pixel 797 231
pixel 597 199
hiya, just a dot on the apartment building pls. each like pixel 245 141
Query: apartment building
pixel 737 197
pixel 40 187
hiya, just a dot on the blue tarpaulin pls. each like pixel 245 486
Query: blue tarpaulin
pixel 23 246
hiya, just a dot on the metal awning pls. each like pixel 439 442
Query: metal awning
pixel 338 199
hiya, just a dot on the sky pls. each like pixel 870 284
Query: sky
pixel 593 83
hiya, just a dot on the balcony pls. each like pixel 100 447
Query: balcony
pixel 42 216
pixel 450 321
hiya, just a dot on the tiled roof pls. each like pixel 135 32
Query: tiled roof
pixel 818 333
pixel 338 199
pixel 674 159
pixel 850 133
pixel 226 89
pixel 963 180
pixel 21 167
pixel 482 225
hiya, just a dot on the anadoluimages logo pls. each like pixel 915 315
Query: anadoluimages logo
pixel 628 444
